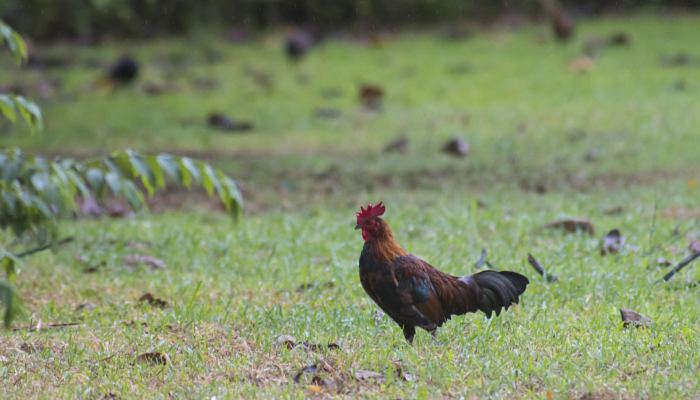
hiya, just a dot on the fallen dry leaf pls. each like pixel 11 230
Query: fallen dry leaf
pixel 226 123
pixel 612 242
pixel 315 370
pixel 619 39
pixel 364 375
pixel 403 375
pixel 134 260
pixel 157 89
pixel 456 147
pixel 314 389
pixel 85 307
pixel 679 60
pixel 204 84
pixel 582 64
pixel 290 342
pixel 572 225
pixel 307 286
pixel 153 301
pixel 694 246
pixel 371 96
pixel 286 340
pixel 633 318
pixel 613 210
pixel 153 358
pixel 398 145
pixel 29 348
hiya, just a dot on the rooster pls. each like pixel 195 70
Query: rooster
pixel 415 294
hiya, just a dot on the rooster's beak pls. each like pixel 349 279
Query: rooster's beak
pixel 357 226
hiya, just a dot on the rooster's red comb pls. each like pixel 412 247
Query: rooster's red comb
pixel 371 211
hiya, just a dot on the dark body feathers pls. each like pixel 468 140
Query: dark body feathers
pixel 415 294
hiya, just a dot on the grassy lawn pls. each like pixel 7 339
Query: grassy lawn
pixel 546 142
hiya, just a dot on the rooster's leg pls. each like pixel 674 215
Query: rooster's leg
pixel 409 331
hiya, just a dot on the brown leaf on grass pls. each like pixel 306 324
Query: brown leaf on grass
pixel 582 64
pixel 604 394
pixel 30 348
pixel 612 242
pixel 694 246
pixel 572 225
pixel 364 375
pixel 398 145
pixel 315 370
pixel 456 147
pixel 308 286
pixel 204 84
pixel 85 307
pixel 371 96
pixel 153 358
pixel 633 318
pixel 134 260
pixel 614 210
pixel 287 341
pixel 153 301
pixel 261 78
pixel 290 342
pixel 619 39
pixel 403 375
pixel 679 60
pixel 226 123
pixel 540 269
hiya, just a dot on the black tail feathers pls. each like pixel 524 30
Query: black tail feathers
pixel 498 290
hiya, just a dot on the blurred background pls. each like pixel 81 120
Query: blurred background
pixel 92 20
pixel 304 100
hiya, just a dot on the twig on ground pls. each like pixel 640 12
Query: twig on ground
pixel 45 247
pixel 41 326
pixel 540 270
pixel 681 265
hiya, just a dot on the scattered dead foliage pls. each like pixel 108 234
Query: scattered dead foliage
pixel 155 358
pixel 633 318
pixel 134 260
pixel 572 225
pixel 612 242
pixel 153 301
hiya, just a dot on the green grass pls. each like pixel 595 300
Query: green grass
pixel 232 289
